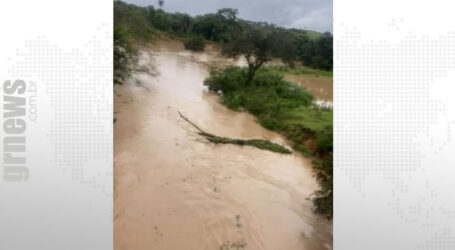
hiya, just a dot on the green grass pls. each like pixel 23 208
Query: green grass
pixel 301 71
pixel 315 119
pixel 279 105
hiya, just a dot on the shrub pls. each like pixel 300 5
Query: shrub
pixel 268 92
pixel 325 140
pixel 133 20
pixel 227 80
pixel 323 200
pixel 122 55
pixel 195 44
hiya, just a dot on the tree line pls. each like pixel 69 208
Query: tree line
pixel 312 49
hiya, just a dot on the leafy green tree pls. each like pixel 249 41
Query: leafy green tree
pixel 132 20
pixel 219 27
pixel 185 22
pixel 257 46
pixel 195 44
pixel 159 19
pixel 228 14
pixel 316 53
pixel 210 26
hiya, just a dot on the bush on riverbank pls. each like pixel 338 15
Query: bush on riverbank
pixel 288 109
pixel 195 44
pixel 123 55
pixel 323 202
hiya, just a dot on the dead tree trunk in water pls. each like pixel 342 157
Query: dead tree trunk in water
pixel 262 144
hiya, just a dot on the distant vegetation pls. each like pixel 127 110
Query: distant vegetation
pixel 123 55
pixel 195 44
pixel 311 48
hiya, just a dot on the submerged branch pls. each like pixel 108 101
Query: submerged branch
pixel 258 143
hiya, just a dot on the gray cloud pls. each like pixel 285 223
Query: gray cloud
pixel 304 14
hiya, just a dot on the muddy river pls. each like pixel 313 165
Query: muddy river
pixel 175 191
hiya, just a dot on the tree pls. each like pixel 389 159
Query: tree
pixel 228 13
pixel 186 23
pixel 258 46
pixel 210 26
pixel 159 19
pixel 180 23
pixel 195 44
pixel 219 27
pixel 316 53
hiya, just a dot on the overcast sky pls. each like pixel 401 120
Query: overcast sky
pixel 304 14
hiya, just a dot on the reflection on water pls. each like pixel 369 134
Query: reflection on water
pixel 175 191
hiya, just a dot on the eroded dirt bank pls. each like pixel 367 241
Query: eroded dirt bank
pixel 175 191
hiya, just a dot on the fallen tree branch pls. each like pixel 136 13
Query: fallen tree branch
pixel 258 143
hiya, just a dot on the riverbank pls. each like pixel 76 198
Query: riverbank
pixel 173 190
pixel 283 106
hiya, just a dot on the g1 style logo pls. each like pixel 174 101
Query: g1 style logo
pixel 14 127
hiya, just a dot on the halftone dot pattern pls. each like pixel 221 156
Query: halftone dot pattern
pixel 76 82
pixel 441 240
pixel 383 109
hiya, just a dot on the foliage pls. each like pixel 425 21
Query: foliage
pixel 286 108
pixel 144 23
pixel 195 44
pixel 219 27
pixel 323 202
pixel 257 46
pixel 123 55
pixel 266 85
pixel 132 20
pixel 316 53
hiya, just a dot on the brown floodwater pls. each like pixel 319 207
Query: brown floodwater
pixel 175 191
pixel 321 87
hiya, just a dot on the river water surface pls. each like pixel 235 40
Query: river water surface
pixel 176 191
